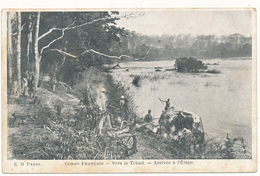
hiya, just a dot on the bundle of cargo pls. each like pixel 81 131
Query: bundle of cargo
pixel 178 125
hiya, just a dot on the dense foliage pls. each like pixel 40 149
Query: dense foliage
pixel 185 45
pixel 189 65
pixel 65 40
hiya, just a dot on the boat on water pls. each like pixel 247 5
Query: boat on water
pixel 177 124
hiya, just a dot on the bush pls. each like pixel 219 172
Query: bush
pixel 136 80
pixel 184 64
pixel 229 148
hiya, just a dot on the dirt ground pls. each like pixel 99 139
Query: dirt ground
pixel 24 135
pixel 23 140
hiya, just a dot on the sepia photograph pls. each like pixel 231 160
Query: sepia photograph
pixel 128 87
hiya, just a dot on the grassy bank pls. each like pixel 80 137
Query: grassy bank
pixel 60 127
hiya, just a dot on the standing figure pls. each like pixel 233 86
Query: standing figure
pixel 32 87
pixel 122 104
pixel 148 117
pixel 24 90
pixel 167 105
pixel 123 108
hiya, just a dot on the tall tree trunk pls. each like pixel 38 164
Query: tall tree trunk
pixel 19 52
pixel 10 53
pixel 36 50
pixel 29 45
pixel 37 70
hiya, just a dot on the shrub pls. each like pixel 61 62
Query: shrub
pixel 229 148
pixel 184 64
pixel 136 80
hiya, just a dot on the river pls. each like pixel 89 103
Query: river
pixel 223 100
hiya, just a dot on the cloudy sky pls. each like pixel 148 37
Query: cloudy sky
pixel 196 22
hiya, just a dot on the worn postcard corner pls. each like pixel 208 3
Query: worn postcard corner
pixel 129 90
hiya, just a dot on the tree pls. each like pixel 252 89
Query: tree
pixel 36 50
pixel 86 33
pixel 19 29
pixel 57 37
pixel 29 43
pixel 9 49
pixel 14 51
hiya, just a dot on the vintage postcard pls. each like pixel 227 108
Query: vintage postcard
pixel 129 90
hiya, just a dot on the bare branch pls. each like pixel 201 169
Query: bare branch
pixel 47 46
pixel 73 27
pixel 78 26
pixel 47 33
pixel 96 52
pixel 63 61
pixel 93 51
pixel 23 26
pixel 86 51
pixel 64 53
pixel 70 24
pixel 81 25
pixel 91 22
pixel 63 32
pixel 112 57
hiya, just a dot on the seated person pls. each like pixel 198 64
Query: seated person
pixel 148 117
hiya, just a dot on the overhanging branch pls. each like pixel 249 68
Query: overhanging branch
pixel 73 27
pixel 63 52
pixel 62 35
pixel 84 24
pixel 77 26
pixel 93 51
pixel 112 57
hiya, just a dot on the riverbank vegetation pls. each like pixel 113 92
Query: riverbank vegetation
pixel 63 102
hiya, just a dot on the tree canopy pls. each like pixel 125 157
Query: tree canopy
pixel 69 42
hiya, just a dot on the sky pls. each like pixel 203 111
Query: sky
pixel 197 22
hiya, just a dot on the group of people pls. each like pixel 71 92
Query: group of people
pixel 148 117
pixel 124 117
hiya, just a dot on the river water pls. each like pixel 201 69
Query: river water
pixel 223 100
